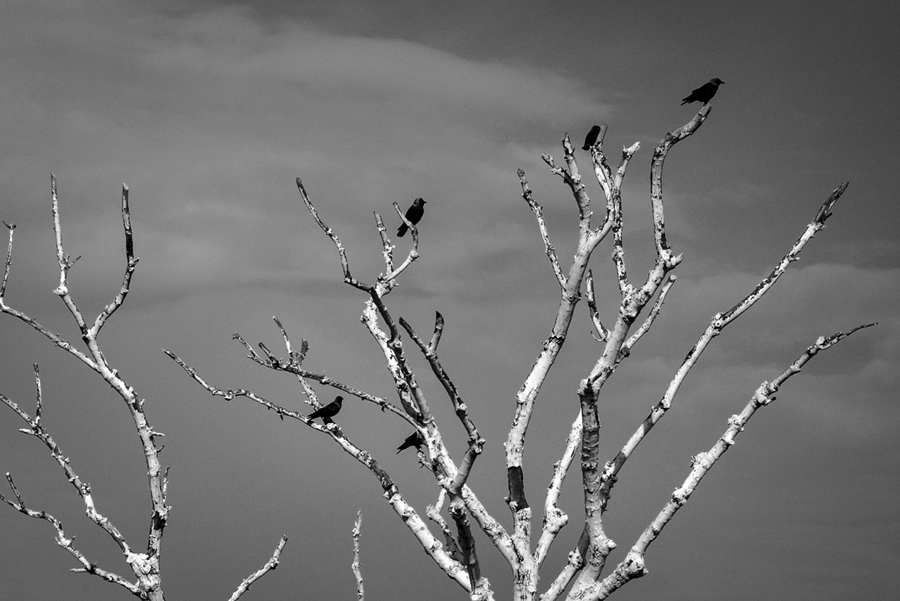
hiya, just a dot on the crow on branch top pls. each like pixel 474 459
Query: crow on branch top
pixel 591 138
pixel 414 214
pixel 705 92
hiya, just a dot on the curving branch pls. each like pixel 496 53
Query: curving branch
pixel 656 170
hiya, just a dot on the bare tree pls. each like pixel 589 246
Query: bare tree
pixel 585 575
pixel 144 564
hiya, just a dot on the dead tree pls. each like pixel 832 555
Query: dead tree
pixel 585 575
pixel 145 564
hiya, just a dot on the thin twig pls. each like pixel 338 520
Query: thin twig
pixel 270 565
pixel 355 566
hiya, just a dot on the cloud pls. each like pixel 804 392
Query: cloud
pixel 210 114
pixel 404 73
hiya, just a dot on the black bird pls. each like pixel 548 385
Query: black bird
pixel 328 411
pixel 414 214
pixel 591 138
pixel 705 92
pixel 413 440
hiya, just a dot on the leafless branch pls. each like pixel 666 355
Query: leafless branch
pixel 131 264
pixel 633 565
pixel 433 512
pixel 12 229
pixel 717 324
pixel 538 211
pixel 270 565
pixel 476 442
pixel 654 312
pixel 355 566
pixel 144 565
pixel 84 491
pixel 602 332
pixel 656 170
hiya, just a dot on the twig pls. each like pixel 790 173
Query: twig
pixel 12 229
pixel 270 565
pixel 539 215
pixel 355 566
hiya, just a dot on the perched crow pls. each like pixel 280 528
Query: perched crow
pixel 413 213
pixel 705 92
pixel 413 440
pixel 328 411
pixel 591 138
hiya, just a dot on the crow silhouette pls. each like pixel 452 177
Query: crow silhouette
pixel 328 411
pixel 591 138
pixel 413 440
pixel 705 92
pixel 414 214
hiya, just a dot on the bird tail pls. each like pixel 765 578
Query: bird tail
pixel 402 231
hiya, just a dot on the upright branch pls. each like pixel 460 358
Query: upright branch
pixel 476 442
pixel 355 566
pixel 588 239
pixel 570 293
pixel 656 170
pixel 12 228
pixel 617 343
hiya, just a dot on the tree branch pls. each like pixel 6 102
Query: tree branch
pixel 144 565
pixel 244 586
pixel 355 566
pixel 12 229
pixel 539 215
pixel 84 491
pixel 633 565
pixel 717 324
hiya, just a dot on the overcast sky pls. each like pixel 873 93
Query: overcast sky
pixel 210 110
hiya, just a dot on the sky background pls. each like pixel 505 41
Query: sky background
pixel 210 110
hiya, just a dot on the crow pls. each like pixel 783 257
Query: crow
pixel 413 440
pixel 328 411
pixel 414 214
pixel 705 92
pixel 591 138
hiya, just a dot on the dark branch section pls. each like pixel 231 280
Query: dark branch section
pixel 516 482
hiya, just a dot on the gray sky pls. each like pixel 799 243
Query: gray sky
pixel 210 110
